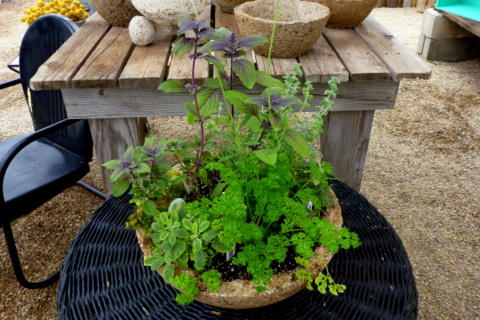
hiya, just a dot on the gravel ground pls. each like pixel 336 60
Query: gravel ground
pixel 422 172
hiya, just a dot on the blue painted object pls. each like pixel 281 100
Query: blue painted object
pixel 469 9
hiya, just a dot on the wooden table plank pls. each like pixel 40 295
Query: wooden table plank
pixel 147 65
pixel 399 59
pixel 105 64
pixel 321 63
pixel 358 58
pixel 58 71
pixel 278 67
pixel 181 68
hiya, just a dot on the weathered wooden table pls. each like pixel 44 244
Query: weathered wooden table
pixel 113 83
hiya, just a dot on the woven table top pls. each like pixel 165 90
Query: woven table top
pixel 103 276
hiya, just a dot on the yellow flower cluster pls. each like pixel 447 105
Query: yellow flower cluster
pixel 71 9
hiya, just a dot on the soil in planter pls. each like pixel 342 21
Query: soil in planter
pixel 230 271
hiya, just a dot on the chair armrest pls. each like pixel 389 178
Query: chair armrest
pixel 10 83
pixel 10 155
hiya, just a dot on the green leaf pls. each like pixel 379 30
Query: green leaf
pixel 199 259
pixel 297 142
pixel 178 249
pixel 172 239
pixel 208 101
pixel 245 70
pixel 149 207
pixel 168 272
pixel 238 99
pixel 142 168
pixel 177 179
pixel 219 246
pixel 197 245
pixel 254 124
pixel 148 261
pixel 218 190
pixel 112 164
pixel 158 227
pixel 276 121
pixel 204 225
pixel 164 218
pixel 215 61
pixel 120 187
pixel 268 81
pixel 172 86
pixel 180 233
pixel 267 156
pixel 192 118
pixel 190 107
pixel 210 235
pixel 212 83
pixel 183 45
pixel 187 223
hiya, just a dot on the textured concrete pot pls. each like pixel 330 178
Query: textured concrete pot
pixel 117 12
pixel 299 26
pixel 229 5
pixel 169 12
pixel 241 294
pixel 347 13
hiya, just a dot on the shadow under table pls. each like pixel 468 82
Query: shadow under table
pixel 103 276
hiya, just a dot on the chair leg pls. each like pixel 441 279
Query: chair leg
pixel 17 268
pixel 92 189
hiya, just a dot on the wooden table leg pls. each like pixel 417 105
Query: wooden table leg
pixel 344 144
pixel 111 138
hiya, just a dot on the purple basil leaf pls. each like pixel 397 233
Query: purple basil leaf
pixel 185 25
pixel 287 101
pixel 217 45
pixel 203 24
pixel 252 41
pixel 260 101
pixel 239 53
pixel 207 33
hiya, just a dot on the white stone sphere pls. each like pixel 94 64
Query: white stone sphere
pixel 142 31
pixel 169 12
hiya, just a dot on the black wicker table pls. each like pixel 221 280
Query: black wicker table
pixel 103 276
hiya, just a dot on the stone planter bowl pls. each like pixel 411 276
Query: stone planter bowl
pixel 229 5
pixel 169 12
pixel 347 13
pixel 116 12
pixel 299 26
pixel 241 294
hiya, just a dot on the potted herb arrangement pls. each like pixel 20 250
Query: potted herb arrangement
pixel 243 215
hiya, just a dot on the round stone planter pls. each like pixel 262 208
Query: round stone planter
pixel 299 26
pixel 241 294
pixel 347 13
pixel 117 12
pixel 169 12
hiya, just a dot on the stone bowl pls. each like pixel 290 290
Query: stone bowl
pixel 116 12
pixel 299 25
pixel 241 294
pixel 169 12
pixel 229 5
pixel 347 13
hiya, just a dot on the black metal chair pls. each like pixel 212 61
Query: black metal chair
pixel 37 166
